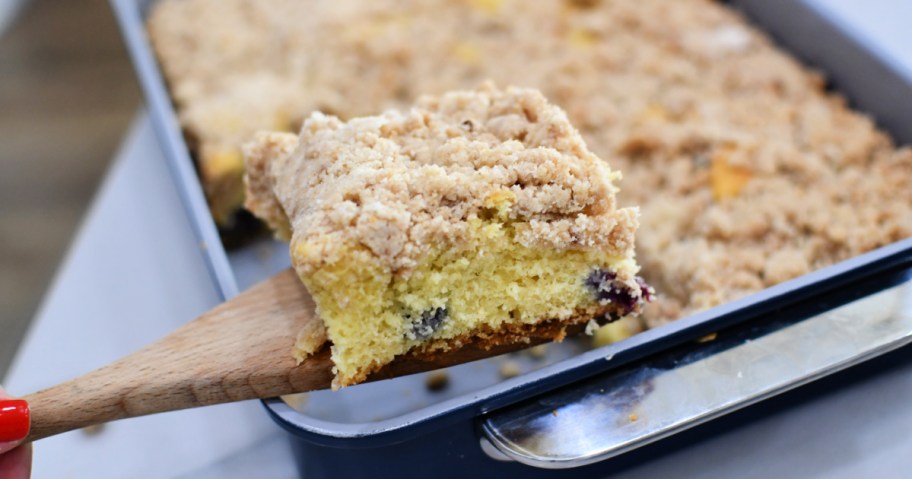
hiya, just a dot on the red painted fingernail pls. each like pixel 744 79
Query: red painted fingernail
pixel 14 420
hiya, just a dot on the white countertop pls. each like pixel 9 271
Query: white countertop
pixel 134 273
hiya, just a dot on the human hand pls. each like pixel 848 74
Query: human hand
pixel 15 459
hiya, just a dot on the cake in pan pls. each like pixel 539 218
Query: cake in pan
pixel 476 215
pixel 748 172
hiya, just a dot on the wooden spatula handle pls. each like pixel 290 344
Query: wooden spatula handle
pixel 130 388
pixel 239 350
pixel 124 389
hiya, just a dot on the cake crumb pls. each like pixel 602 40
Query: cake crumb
pixel 436 381
pixel 297 402
pixel 591 327
pixel 93 430
pixel 616 331
pixel 707 338
pixel 510 369
pixel 538 352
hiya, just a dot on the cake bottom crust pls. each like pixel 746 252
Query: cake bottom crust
pixel 486 342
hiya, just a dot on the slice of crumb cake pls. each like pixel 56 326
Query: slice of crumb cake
pixel 476 216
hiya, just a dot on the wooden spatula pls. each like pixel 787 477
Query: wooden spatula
pixel 237 351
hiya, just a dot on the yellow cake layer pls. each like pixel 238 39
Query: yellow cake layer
pixel 372 316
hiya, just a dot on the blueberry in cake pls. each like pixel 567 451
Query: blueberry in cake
pixel 474 216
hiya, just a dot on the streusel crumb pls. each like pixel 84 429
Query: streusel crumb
pixel 746 169
pixel 407 181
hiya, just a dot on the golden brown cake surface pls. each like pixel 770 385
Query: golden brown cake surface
pixel 747 171
pixel 407 181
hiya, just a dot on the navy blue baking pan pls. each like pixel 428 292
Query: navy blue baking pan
pixel 689 392
pixel 530 424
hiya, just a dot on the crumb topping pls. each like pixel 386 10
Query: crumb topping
pixel 747 169
pixel 403 182
pixel 258 157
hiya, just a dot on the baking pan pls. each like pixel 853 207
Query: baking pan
pixel 609 421
pixel 483 420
